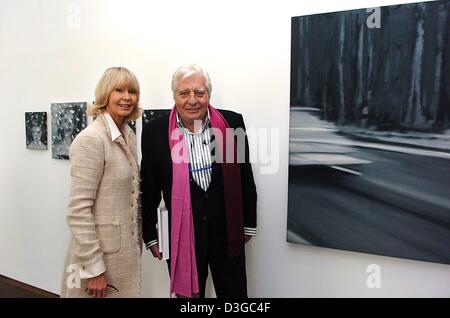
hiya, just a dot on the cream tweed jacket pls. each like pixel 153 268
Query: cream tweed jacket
pixel 104 212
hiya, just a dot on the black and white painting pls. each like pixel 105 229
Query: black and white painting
pixel 132 125
pixel 150 114
pixel 68 119
pixel 369 148
pixel 36 130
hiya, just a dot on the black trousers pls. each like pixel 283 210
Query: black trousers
pixel 208 208
pixel 228 275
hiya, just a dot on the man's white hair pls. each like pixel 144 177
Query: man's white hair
pixel 188 70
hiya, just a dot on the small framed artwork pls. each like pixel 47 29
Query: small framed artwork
pixel 36 130
pixel 68 120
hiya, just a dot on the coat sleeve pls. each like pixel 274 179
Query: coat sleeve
pixel 150 187
pixel 249 195
pixel 87 163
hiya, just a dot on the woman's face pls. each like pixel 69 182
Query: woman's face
pixel 36 133
pixel 121 103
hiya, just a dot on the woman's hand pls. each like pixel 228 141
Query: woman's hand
pixel 97 286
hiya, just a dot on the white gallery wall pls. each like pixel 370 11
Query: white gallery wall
pixel 56 50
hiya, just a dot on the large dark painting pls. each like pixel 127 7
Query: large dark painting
pixel 369 167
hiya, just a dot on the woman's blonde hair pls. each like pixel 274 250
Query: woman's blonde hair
pixel 112 78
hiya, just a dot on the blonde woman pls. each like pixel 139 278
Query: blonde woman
pixel 104 256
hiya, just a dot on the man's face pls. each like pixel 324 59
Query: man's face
pixel 191 99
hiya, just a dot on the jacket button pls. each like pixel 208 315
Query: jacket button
pixel 204 218
pixel 206 195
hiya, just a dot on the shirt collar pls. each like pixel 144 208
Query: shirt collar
pixel 115 132
pixel 204 125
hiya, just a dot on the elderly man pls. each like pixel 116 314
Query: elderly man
pixel 207 184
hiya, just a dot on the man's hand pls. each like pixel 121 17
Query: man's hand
pixel 155 251
pixel 247 238
pixel 97 286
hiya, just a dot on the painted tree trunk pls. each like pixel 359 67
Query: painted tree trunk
pixel 414 116
pixel 360 71
pixel 369 68
pixel 341 118
pixel 300 78
pixel 306 67
pixel 441 21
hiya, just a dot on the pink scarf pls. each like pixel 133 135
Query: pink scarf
pixel 183 266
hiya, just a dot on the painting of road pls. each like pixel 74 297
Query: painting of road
pixel 369 146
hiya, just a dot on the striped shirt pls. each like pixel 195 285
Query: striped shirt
pixel 200 165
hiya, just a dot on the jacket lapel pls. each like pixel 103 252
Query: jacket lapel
pixel 128 147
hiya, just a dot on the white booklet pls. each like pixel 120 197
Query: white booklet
pixel 163 232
